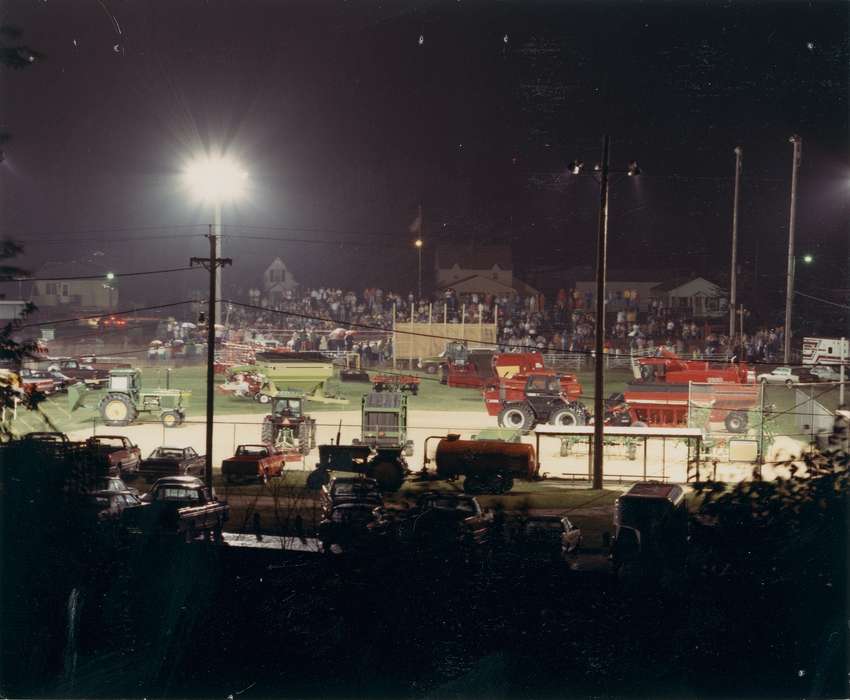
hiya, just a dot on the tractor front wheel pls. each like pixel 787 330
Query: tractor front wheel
pixel 171 419
pixel 264 398
pixel 566 417
pixel 388 473
pixel 117 410
pixel 517 416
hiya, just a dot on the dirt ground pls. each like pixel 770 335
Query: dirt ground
pixel 661 459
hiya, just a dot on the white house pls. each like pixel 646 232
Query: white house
pixel 482 269
pixel 91 289
pixel 696 297
pixel 277 280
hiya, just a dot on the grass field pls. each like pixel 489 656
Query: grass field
pixel 432 396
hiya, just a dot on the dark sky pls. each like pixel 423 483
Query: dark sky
pixel 346 123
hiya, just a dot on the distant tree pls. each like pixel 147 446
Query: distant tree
pixel 14 55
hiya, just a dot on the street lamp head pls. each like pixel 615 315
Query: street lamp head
pixel 575 167
pixel 418 243
pixel 215 179
pixel 808 258
pixel 794 139
pixel 634 169
pixel 110 275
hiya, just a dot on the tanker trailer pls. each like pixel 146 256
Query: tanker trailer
pixel 488 466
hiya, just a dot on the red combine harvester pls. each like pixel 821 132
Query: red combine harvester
pixel 670 369
pixel 523 400
pixel 660 394
pixel 479 368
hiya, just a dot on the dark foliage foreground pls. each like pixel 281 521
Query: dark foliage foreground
pixel 760 611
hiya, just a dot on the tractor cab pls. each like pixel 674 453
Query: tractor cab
pixel 288 406
pixel 126 381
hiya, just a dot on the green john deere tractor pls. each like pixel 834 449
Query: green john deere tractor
pixel 125 399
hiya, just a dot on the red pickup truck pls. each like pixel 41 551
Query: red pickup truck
pixel 122 456
pixel 253 462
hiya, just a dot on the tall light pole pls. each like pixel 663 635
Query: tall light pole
pixel 733 284
pixel 213 180
pixel 789 290
pixel 216 180
pixel 604 171
pixel 418 243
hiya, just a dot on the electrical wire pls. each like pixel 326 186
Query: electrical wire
pixel 115 275
pixel 123 312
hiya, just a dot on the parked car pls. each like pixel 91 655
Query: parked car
pixel 352 526
pixel 444 521
pixel 184 506
pixel 109 505
pixel 34 380
pixel 121 456
pixel 350 489
pixel 545 537
pixel 46 381
pixel 825 373
pixel 252 463
pixel 80 371
pixel 172 461
pixel 113 484
pixel 780 375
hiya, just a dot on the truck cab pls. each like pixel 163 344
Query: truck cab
pixel 650 527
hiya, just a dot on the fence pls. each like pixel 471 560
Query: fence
pixel 629 454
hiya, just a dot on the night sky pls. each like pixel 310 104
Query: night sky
pixel 347 122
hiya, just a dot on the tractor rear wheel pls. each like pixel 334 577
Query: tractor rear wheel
pixel 117 410
pixel 388 473
pixel 304 438
pixel 736 422
pixel 566 417
pixel 517 416
pixel 268 434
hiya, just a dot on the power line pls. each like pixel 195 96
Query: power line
pixel 823 301
pixel 123 312
pixel 99 277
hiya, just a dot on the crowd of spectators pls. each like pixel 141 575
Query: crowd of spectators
pixel 336 319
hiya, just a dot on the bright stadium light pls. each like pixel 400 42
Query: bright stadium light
pixel 216 179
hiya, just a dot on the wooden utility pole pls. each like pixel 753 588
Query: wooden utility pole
pixel 212 264
pixel 599 361
pixel 789 274
pixel 733 283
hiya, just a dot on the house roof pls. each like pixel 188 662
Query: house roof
pixel 676 283
pixel 474 257
pixel 71 268
pixel 480 283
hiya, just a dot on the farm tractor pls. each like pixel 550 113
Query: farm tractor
pixel 524 400
pixel 125 399
pixel 287 428
pixel 386 465
pixel 384 421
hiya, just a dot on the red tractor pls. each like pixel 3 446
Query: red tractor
pixel 543 396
